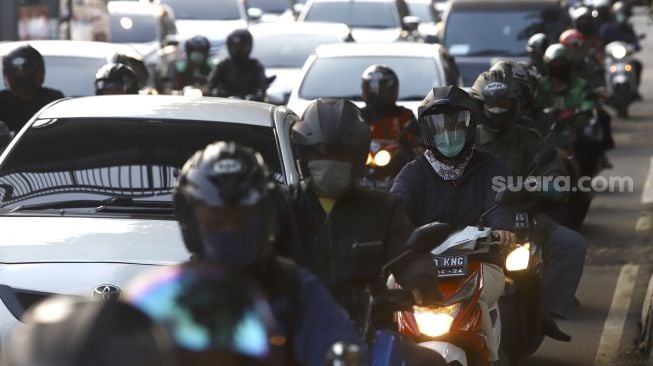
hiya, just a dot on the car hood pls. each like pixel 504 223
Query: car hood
pixel 372 35
pixel 214 30
pixel 471 67
pixel 285 81
pixel 28 239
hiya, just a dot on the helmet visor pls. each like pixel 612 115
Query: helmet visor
pixel 498 106
pixel 225 219
pixel 452 123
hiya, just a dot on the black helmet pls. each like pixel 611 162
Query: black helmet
pixel 24 71
pixel 209 314
pixel 602 10
pixel 525 79
pixel 74 331
pixel 197 43
pixel 582 19
pixel 239 44
pixel 115 79
pixel 225 205
pixel 620 12
pixel 499 93
pixel 380 86
pixel 537 44
pixel 335 127
pixel 443 115
pixel 558 62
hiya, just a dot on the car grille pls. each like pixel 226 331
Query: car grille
pixel 18 301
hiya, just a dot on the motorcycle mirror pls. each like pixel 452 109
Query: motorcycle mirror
pixel 411 23
pixel 426 237
pixel 544 157
pixel 254 14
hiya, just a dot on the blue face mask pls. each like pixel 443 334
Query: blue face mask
pixel 450 143
pixel 197 58
pixel 232 249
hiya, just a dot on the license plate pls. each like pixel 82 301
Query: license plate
pixel 451 265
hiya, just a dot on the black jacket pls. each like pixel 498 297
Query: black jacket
pixel 238 79
pixel 347 248
pixel 15 113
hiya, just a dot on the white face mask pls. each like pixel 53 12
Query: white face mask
pixel 331 177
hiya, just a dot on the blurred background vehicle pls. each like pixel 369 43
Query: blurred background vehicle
pixel 271 10
pixel 385 26
pixel 103 205
pixel 480 32
pixel 284 47
pixel 214 22
pixel 346 63
pixel 428 16
pixel 151 30
pixel 71 65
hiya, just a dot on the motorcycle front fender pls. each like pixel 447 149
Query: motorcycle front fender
pixel 447 350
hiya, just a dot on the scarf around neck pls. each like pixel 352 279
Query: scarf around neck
pixel 449 173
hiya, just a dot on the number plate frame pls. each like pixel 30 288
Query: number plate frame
pixel 451 265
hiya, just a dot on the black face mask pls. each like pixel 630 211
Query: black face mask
pixel 560 71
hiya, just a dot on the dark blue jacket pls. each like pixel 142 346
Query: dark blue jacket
pixel 428 198
pixel 612 32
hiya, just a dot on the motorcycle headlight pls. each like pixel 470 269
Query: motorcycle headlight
pixel 434 322
pixel 382 158
pixel 370 159
pixel 628 68
pixel 619 52
pixel 518 259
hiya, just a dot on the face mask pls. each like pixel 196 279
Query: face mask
pixel 197 58
pixel 332 177
pixel 232 249
pixel 450 143
pixel 620 18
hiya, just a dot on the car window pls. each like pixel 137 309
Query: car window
pixel 270 6
pixel 134 28
pixel 203 10
pixel 114 157
pixel 287 50
pixel 497 33
pixel 348 70
pixel 74 76
pixel 422 11
pixel 355 14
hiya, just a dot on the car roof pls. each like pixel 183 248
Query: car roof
pixel 300 28
pixel 457 4
pixel 134 8
pixel 81 49
pixel 162 107
pixel 351 1
pixel 398 49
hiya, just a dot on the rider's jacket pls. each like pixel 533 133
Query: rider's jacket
pixel 427 197
pixel 15 112
pixel 612 32
pixel 397 123
pixel 573 97
pixel 238 79
pixel 187 75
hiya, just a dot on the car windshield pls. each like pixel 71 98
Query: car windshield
pixel 137 159
pixel 348 70
pixel 270 6
pixel 74 76
pixel 133 28
pixel 205 10
pixel 497 33
pixel 287 50
pixel 421 10
pixel 355 14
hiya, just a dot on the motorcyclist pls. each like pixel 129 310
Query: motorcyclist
pixel 347 233
pixel 584 65
pixel 601 11
pixel 452 182
pixel 74 331
pixel 584 22
pixel 115 79
pixel 23 70
pixel 619 29
pixel 213 317
pixel 564 250
pixel 195 68
pixel 239 75
pixel 536 46
pixel 228 213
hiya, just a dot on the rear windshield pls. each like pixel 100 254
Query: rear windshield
pixel 205 9
pixel 356 14
pixel 75 159
pixel 285 50
pixel 133 29
pixel 270 6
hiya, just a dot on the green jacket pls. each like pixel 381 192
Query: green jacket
pixel 573 96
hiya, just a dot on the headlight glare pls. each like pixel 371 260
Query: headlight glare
pixel 382 158
pixel 619 52
pixel 518 259
pixel 628 68
pixel 433 322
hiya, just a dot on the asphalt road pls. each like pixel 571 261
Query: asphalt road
pixel 619 264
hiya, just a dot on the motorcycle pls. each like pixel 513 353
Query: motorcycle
pixel 384 161
pixel 620 78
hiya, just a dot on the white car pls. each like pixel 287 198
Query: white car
pixel 419 67
pixel 85 189
pixel 70 66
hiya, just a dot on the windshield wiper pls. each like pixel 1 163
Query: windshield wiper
pixel 101 205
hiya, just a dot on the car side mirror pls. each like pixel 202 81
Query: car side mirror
pixel 410 23
pixel 425 238
pixel 254 14
pixel 171 40
pixel 297 9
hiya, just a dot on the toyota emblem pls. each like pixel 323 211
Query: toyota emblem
pixel 107 293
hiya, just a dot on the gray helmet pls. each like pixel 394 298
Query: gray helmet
pixel 525 78
pixel 115 79
pixel 332 123
pixel 499 92
pixel 74 331
pixel 537 44
pixel 230 176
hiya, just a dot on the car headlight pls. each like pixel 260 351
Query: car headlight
pixel 518 259
pixel 619 51
pixel 434 322
pixel 382 158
